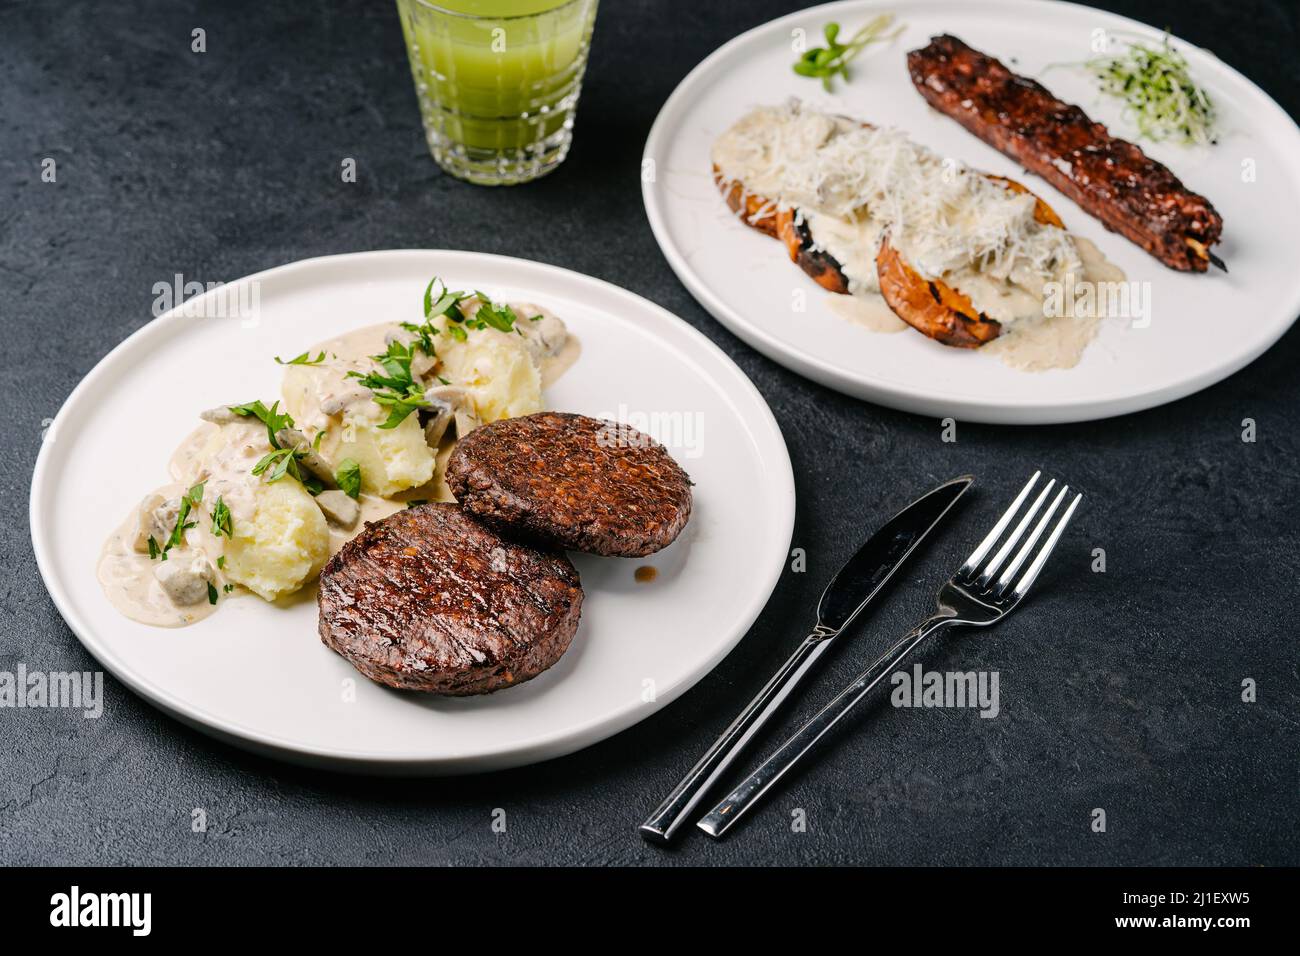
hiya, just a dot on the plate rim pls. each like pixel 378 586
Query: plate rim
pixel 912 398
pixel 530 750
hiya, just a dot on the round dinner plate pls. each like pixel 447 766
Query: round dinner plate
pixel 258 675
pixel 1200 328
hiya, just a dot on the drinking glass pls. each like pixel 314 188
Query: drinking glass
pixel 498 82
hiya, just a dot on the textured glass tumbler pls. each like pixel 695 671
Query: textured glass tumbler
pixel 498 82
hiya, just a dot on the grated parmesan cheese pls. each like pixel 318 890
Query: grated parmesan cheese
pixel 944 218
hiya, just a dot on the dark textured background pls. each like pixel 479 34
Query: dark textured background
pixel 1119 690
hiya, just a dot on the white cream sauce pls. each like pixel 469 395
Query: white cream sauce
pixel 852 183
pixel 222 456
pixel 1032 342
pixel 868 310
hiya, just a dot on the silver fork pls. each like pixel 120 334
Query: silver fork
pixel 971 597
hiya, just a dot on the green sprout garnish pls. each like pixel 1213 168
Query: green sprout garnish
pixel 833 60
pixel 1158 92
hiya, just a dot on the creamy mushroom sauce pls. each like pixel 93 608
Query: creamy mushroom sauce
pixel 850 183
pixel 1034 343
pixel 222 456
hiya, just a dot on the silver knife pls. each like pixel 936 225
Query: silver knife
pixel 854 586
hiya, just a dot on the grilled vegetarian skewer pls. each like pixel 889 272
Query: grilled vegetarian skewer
pixel 1109 178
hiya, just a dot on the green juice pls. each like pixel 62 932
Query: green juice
pixel 498 81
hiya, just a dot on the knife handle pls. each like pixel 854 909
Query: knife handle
pixel 733 806
pixel 686 796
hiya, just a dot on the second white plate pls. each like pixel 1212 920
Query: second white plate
pixel 1202 327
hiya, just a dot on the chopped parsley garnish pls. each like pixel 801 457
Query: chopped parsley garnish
pixel 221 523
pixel 395 388
pixel 189 501
pixel 500 317
pixel 272 418
pixel 221 561
pixel 212 594
pixel 278 463
pixel 446 302
pixel 303 359
pixel 831 60
pixel 488 314
pixel 154 550
pixel 227 588
pixel 349 477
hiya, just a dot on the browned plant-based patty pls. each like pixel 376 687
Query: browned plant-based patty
pixel 582 483
pixel 431 599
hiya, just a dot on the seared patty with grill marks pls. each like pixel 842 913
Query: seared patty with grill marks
pixel 430 599
pixel 578 482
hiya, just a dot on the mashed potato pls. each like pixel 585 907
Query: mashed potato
pixel 391 459
pixel 497 370
pixel 286 542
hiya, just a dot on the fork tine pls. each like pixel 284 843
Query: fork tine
pixel 987 574
pixel 987 544
pixel 1027 581
pixel 1010 573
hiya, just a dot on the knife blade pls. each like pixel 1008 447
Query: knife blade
pixel 852 588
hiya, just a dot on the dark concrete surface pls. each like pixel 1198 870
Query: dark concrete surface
pixel 1119 691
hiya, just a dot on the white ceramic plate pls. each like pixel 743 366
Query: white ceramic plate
pixel 1202 327
pixel 259 676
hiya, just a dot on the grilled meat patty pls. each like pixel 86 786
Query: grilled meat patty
pixel 1109 178
pixel 578 482
pixel 431 599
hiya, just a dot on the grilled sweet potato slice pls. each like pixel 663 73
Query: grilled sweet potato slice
pixel 929 306
pixel 932 306
pixel 753 210
pixel 820 266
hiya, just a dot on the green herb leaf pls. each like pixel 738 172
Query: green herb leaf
pixel 278 463
pixel 221 561
pixel 212 594
pixel 303 359
pixel 348 477
pixel 500 317
pixel 396 388
pixel 154 550
pixel 271 417
pixel 189 501
pixel 832 60
pixel 221 522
